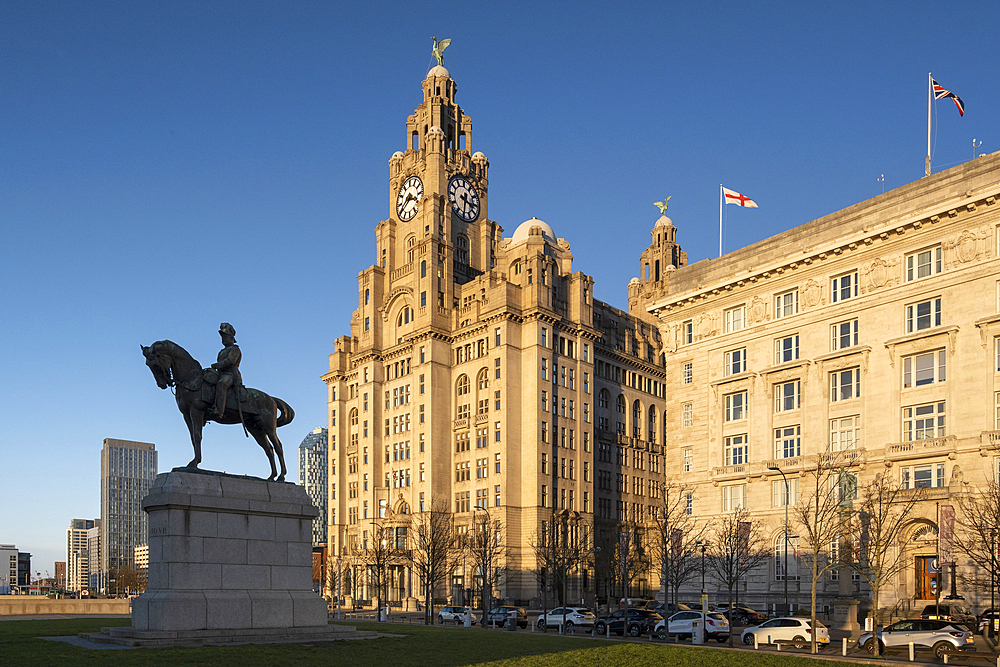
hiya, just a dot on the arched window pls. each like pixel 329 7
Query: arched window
pixel 410 249
pixel 462 250
pixel 463 385
pixel 636 419
pixel 779 557
pixel 516 268
pixel 354 417
pixel 604 399
pixel 483 379
pixel 405 315
pixel 621 404
pixel 652 423
pixel 423 268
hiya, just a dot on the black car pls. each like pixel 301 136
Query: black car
pixel 954 613
pixel 741 615
pixel 640 622
pixel 985 618
pixel 500 616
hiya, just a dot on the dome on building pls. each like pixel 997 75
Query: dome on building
pixel 523 231
pixel 436 130
pixel 478 155
pixel 664 221
pixel 439 70
pixel 397 154
pixel 634 281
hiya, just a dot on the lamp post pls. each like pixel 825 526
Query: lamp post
pixel 786 501
pixel 993 581
pixel 704 591
pixel 339 591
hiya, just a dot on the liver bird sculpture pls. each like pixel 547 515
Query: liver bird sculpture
pixel 438 50
pixel 662 205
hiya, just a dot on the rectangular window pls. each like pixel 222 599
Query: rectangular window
pixel 687 332
pixel 843 335
pixel 788 442
pixel 787 395
pixel 688 415
pixel 545 337
pixel 786 349
pixel 787 304
pixel 734 497
pixel 782 495
pixel 737 450
pixel 689 503
pixel 845 287
pixel 922 422
pixel 688 459
pixel 923 315
pixel 687 373
pixel 924 263
pixel 735 317
pixel 845 385
pixel 423 299
pixel 845 433
pixel 923 369
pixel 496 337
pixel 496 368
pixel 545 369
pixel 736 406
pixel 924 476
pixel 735 361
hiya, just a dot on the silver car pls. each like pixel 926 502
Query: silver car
pixel 942 637
pixel 455 615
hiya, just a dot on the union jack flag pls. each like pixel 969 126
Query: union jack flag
pixel 940 92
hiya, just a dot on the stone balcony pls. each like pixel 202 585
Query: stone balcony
pixel 918 449
pixel 797 464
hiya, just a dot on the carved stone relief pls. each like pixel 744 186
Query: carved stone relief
pixel 812 294
pixel 757 312
pixel 707 325
pixel 969 246
pixel 880 273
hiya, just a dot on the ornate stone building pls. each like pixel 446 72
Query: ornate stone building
pixel 472 373
pixel 872 331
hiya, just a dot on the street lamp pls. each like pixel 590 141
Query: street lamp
pixel 704 592
pixel 786 501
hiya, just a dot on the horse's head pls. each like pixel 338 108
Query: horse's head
pixel 159 363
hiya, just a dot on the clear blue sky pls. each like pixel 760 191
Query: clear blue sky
pixel 166 166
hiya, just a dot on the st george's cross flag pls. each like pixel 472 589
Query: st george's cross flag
pixel 941 93
pixel 733 197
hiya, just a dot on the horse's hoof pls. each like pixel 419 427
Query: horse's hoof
pixel 281 478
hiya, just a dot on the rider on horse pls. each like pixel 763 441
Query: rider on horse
pixel 228 367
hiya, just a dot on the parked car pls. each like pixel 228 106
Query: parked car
pixel 795 631
pixel 740 614
pixel 985 618
pixel 715 626
pixel 580 616
pixel 640 622
pixel 670 609
pixel 955 613
pixel 637 603
pixel 500 616
pixel 940 636
pixel 455 615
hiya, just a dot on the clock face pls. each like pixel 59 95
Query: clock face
pixel 409 196
pixel 464 199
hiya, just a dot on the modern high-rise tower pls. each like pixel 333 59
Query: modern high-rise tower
pixel 127 472
pixel 313 477
pixel 77 555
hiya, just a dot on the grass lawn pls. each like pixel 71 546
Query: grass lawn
pixel 430 646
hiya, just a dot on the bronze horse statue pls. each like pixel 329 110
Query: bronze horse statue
pixel 172 366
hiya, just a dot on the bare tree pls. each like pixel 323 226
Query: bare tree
pixel 376 553
pixel 882 509
pixel 629 555
pixel 561 547
pixel 821 519
pixel 736 545
pixel 978 527
pixel 433 544
pixel 674 538
pixel 487 547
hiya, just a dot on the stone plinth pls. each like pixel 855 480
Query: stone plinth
pixel 845 616
pixel 227 553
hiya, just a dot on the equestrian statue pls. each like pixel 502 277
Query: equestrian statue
pixel 217 394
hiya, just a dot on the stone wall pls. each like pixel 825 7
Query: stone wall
pixel 25 605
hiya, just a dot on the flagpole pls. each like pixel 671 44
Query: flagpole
pixel 721 202
pixel 930 96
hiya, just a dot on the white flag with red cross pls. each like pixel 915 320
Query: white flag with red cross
pixel 733 197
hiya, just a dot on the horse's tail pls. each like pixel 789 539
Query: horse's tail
pixel 287 414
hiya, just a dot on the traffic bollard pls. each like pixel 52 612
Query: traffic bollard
pixel 911 651
pixel 755 644
pixel 845 646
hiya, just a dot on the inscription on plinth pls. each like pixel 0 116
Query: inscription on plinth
pixel 227 552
